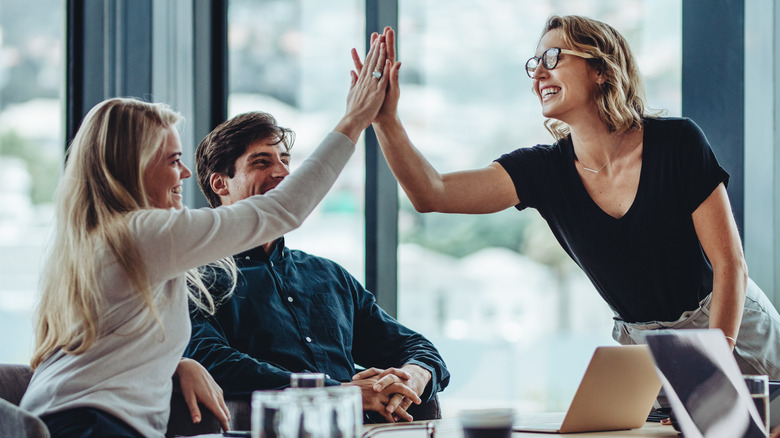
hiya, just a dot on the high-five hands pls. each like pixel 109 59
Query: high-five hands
pixel 390 105
pixel 366 91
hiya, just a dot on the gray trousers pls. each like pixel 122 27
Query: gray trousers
pixel 758 342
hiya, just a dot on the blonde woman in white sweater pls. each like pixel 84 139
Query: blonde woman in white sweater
pixel 112 321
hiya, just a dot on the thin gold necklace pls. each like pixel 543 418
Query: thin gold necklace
pixel 620 141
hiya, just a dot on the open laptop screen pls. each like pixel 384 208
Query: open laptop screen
pixel 703 383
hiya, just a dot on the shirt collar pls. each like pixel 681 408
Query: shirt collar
pixel 258 253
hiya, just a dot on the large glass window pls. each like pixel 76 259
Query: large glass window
pixel 513 316
pixel 31 151
pixel 291 59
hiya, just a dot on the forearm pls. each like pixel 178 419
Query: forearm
pixel 419 180
pixel 350 127
pixel 239 374
pixel 302 190
pixel 236 372
pixel 728 298
pixel 393 345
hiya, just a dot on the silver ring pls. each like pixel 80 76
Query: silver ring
pixel 377 74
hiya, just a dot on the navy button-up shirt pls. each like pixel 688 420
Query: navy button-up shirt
pixel 295 312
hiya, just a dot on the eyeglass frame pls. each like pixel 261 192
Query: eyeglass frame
pixel 540 59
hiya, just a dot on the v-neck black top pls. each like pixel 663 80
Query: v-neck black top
pixel 648 265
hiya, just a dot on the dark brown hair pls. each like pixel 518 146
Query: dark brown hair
pixel 218 152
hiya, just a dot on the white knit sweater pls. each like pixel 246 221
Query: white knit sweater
pixel 128 371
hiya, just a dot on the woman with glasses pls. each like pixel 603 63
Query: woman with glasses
pixel 638 202
pixel 113 320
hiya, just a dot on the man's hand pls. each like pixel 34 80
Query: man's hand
pixel 377 395
pixel 390 381
pixel 197 385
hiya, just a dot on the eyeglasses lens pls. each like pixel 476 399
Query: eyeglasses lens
pixel 549 59
pixel 530 66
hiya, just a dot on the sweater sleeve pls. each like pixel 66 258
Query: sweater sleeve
pixel 173 241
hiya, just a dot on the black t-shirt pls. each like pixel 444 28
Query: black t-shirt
pixel 649 264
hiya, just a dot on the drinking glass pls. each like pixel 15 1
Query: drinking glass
pixel 274 415
pixel 347 410
pixel 758 387
pixel 332 412
pixel 313 413
pixel 307 380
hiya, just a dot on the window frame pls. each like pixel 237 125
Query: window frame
pixel 112 48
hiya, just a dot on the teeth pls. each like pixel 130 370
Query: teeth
pixel 178 190
pixel 550 91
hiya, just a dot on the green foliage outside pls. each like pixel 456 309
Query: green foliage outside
pixel 459 235
pixel 43 164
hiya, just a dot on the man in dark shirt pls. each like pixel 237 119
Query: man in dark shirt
pixel 292 311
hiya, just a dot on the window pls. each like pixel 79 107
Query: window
pixel 514 318
pixel 31 151
pixel 291 59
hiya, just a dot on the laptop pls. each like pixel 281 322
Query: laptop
pixel 704 385
pixel 617 392
pixel 774 404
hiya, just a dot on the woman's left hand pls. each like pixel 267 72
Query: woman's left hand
pixel 390 104
pixel 197 385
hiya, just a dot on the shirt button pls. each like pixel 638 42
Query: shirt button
pixel 308 339
pixel 247 257
pixel 327 376
pixel 290 299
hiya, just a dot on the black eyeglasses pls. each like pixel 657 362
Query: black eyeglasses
pixel 549 59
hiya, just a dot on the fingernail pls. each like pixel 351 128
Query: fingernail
pixel 196 420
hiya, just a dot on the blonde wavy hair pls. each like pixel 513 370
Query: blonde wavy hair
pixel 102 182
pixel 621 97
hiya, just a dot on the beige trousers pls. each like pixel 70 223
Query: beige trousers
pixel 758 342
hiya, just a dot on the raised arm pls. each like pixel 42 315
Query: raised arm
pixel 485 190
pixel 173 241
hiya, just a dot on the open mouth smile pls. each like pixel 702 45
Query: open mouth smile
pixel 549 91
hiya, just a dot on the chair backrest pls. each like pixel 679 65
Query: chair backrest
pixel 14 379
pixel 15 421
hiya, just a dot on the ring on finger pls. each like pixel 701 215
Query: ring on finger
pixel 377 74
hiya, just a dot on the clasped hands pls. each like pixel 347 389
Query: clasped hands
pixel 390 392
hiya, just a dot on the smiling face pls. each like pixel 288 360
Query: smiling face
pixel 260 169
pixel 568 89
pixel 164 175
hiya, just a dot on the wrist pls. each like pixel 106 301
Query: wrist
pixel 349 127
pixel 418 374
pixel 384 121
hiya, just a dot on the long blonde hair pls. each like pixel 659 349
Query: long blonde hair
pixel 620 98
pixel 102 183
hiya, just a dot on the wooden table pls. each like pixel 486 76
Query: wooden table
pixel 450 428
